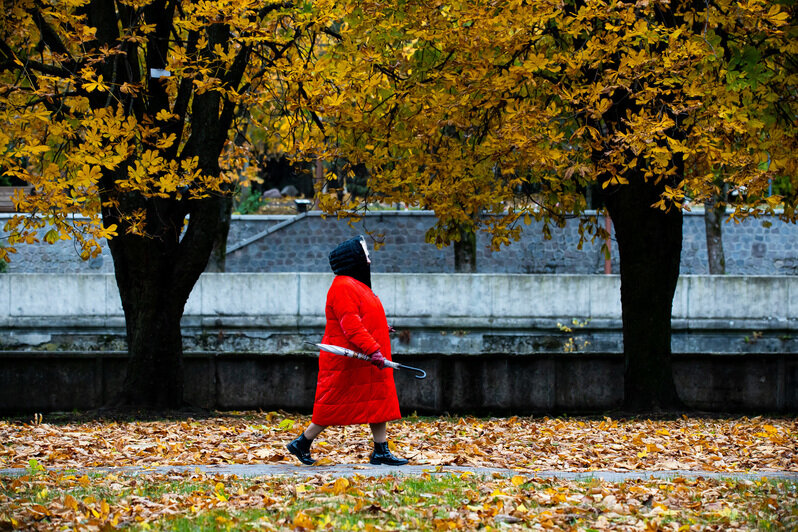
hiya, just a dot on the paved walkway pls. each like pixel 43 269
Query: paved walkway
pixel 367 470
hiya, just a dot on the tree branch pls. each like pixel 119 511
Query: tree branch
pixel 52 40
pixel 11 64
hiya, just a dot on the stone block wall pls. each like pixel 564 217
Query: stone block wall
pixel 281 243
pixel 751 248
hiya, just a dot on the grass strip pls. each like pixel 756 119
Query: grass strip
pixel 45 500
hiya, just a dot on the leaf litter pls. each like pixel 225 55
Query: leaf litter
pixel 50 496
pixel 523 443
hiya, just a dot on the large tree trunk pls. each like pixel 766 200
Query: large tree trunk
pixel 155 275
pixel 156 263
pixel 649 245
pixel 153 302
pixel 154 377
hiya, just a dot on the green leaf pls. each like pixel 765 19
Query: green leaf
pixel 51 237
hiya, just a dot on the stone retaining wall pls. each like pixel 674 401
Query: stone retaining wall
pixel 492 343
pixel 490 384
pixel 301 244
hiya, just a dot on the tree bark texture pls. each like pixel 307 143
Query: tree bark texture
pixel 218 259
pixel 154 377
pixel 649 246
pixel 465 252
pixel 713 220
pixel 153 301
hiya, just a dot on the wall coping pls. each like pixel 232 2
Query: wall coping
pixel 294 299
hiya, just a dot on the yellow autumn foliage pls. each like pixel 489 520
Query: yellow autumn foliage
pixel 507 109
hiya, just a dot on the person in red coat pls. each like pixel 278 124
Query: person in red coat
pixel 350 391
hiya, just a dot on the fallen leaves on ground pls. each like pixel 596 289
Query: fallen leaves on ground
pixel 50 500
pixel 523 443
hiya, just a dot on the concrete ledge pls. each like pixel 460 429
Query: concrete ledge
pixel 435 313
pixel 441 296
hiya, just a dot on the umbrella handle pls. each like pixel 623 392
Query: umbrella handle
pixel 395 365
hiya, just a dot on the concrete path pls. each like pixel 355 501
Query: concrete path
pixel 367 470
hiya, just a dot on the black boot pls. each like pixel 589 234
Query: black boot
pixel 300 448
pixel 382 456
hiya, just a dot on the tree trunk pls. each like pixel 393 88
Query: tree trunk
pixel 713 218
pixel 154 378
pixel 218 259
pixel 153 304
pixel 155 275
pixel 649 246
pixel 465 252
pixel 156 270
pixel 154 284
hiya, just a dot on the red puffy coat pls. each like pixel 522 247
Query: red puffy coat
pixel 350 391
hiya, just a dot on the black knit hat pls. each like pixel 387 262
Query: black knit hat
pixel 347 256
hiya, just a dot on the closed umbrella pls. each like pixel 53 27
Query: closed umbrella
pixel 343 351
